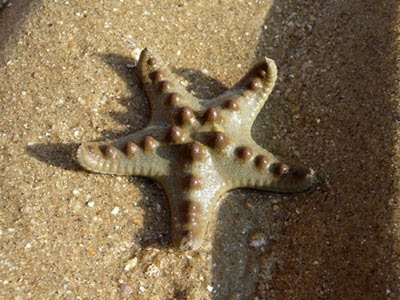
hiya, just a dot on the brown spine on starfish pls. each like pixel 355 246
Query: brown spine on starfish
pixel 261 162
pixel 255 84
pixel 218 140
pixel 130 149
pixel 190 211
pixel 164 86
pixel 263 73
pixel 174 99
pixel 192 182
pixel 278 169
pixel 157 76
pixel 211 115
pixel 110 152
pixel 261 69
pixel 298 173
pixel 231 104
pixel 194 151
pixel 149 144
pixel 175 135
pixel 91 149
pixel 245 153
pixel 185 116
pixel 152 62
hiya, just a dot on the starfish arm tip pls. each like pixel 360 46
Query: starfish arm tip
pixel 283 178
pixel 121 158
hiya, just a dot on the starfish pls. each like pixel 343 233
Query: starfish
pixel 198 149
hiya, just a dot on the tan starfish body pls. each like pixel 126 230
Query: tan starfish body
pixel 197 149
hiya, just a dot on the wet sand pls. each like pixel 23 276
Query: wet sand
pixel 68 75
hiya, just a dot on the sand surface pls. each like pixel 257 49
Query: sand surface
pixel 68 75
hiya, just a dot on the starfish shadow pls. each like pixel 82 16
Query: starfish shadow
pixel 137 112
pixel 57 154
pixel 202 86
pixel 155 232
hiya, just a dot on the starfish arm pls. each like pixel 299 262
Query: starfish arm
pixel 193 192
pixel 240 105
pixel 255 167
pixel 137 154
pixel 163 89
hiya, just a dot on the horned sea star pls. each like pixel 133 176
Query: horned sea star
pixel 198 149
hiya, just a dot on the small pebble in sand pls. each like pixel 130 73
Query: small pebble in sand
pixel 115 211
pixel 126 288
pixel 131 264
pixel 257 240
pixel 136 53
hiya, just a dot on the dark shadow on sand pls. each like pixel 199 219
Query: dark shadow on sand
pixel 337 242
pixel 57 154
pixel 12 15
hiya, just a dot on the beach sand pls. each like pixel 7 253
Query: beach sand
pixel 68 75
